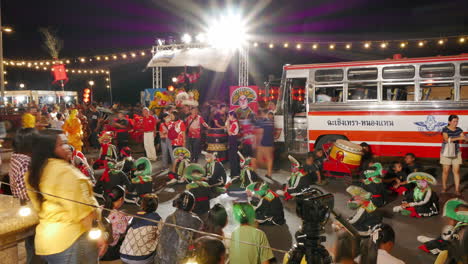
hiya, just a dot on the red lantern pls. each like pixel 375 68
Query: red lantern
pixel 60 73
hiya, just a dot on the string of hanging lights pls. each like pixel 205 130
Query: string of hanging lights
pixel 380 44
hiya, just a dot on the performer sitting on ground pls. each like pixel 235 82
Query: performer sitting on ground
pixel 106 152
pixel 199 188
pixel 395 180
pixel 268 206
pixel 142 179
pixel 421 201
pixel 373 184
pixel 246 177
pixel 365 218
pixel 297 182
pixel 456 211
pixel 313 167
pixel 215 172
pixel 110 178
pixel 79 160
pixel 182 160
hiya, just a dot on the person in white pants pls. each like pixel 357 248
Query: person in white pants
pixel 149 129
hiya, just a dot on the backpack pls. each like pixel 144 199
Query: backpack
pixel 172 132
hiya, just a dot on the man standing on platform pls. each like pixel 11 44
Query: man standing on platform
pixel 194 123
pixel 149 130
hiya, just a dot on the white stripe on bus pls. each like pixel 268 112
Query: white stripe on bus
pixel 399 143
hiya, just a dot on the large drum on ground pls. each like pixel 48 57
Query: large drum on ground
pixel 346 152
pixel 217 142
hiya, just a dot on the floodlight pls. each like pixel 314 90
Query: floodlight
pixel 227 32
pixel 186 38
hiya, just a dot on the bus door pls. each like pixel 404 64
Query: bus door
pixel 295 116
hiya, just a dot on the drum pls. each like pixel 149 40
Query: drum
pixel 220 149
pixel 217 135
pixel 346 152
pixel 217 139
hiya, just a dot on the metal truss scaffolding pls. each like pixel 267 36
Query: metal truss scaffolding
pixel 243 62
pixel 244 66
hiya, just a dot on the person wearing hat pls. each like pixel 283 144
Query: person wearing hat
pixel 297 182
pixel 182 160
pixel 456 212
pixel 215 172
pixel 174 243
pixel 373 184
pixel 365 218
pixel 142 176
pixel 421 201
pixel 110 178
pixel 268 206
pixel 199 188
pixel 258 251
pixel 246 177
pixel 107 150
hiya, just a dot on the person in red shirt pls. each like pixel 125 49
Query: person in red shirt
pixel 149 132
pixel 178 126
pixel 194 123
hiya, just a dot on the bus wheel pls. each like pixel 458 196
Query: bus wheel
pixel 328 139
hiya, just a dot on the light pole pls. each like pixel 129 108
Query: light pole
pixel 2 77
pixel 109 85
pixel 91 83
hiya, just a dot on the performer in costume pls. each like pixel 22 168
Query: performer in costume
pixel 142 179
pixel 365 218
pixel 79 160
pixel 246 177
pixel 200 189
pixel 106 152
pixel 182 160
pixel 373 184
pixel 421 201
pixel 215 172
pixel 110 178
pixel 297 182
pixel 269 209
pixel 456 211
pixel 73 130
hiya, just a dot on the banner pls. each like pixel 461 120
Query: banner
pixel 148 94
pixel 209 58
pixel 244 101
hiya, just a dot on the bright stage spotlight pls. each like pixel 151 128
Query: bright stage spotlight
pixel 200 38
pixel 227 32
pixel 186 38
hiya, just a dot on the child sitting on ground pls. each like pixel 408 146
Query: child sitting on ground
pixel 395 179
pixel 313 167
pixel 411 165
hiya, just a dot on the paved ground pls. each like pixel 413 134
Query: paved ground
pixel 407 229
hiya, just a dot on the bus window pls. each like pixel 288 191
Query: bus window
pixel 398 92
pixel 398 72
pixel 329 75
pixel 328 94
pixel 362 91
pixel 437 70
pixel 464 69
pixel 362 74
pixel 437 91
pixel 464 91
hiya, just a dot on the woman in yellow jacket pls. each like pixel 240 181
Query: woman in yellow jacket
pixel 61 235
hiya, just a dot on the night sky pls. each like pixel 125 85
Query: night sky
pixel 94 27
